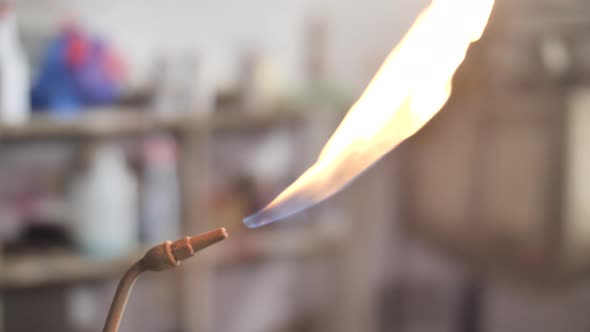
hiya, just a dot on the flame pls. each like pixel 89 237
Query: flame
pixel 411 86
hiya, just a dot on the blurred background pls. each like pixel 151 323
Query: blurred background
pixel 127 123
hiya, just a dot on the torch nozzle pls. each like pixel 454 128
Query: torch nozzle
pixel 187 247
pixel 170 254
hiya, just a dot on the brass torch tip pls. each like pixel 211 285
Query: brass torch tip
pixel 187 247
pixel 204 240
pixel 169 254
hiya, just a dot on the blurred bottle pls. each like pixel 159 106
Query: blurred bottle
pixel 175 81
pixel 160 220
pixel 14 71
pixel 77 71
pixel 54 90
pixel 247 88
pixel 320 93
pixel 98 72
pixel 261 83
pixel 104 205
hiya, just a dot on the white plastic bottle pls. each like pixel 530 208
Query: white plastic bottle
pixel 104 205
pixel 160 219
pixel 14 71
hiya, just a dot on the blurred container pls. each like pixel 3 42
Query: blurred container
pixel 14 71
pixel 160 220
pixel 261 84
pixel 577 179
pixel 104 205
pixel 77 71
pixel 175 82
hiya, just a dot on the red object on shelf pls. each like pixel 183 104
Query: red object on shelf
pixel 77 47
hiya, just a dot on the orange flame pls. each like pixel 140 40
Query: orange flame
pixel 411 86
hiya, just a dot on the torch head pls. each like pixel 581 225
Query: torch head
pixel 169 254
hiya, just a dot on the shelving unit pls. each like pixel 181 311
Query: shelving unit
pixel 113 122
pixel 29 271
pixel 193 132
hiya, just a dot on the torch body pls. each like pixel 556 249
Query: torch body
pixel 164 256
pixel 121 295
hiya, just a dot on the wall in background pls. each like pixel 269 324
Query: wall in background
pixel 361 33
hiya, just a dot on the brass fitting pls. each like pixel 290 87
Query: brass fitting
pixel 169 254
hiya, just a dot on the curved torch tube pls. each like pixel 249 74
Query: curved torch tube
pixel 161 257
